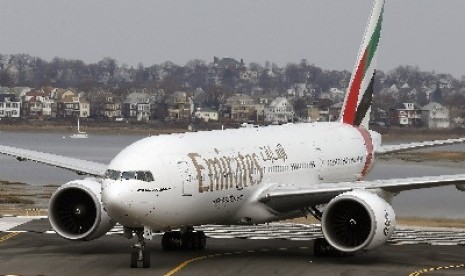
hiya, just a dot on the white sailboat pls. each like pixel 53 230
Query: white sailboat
pixel 80 134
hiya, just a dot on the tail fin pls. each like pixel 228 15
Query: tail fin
pixel 358 99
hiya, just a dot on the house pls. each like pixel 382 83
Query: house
pixel 10 106
pixel 228 63
pixel 138 105
pixel 313 113
pixel 180 106
pixel 69 103
pixel 84 107
pixel 406 114
pixel 36 104
pixel 435 115
pixel 240 108
pixel 298 90
pixel 206 114
pixel 105 105
pixel 279 111
pixel 337 95
pixel 335 111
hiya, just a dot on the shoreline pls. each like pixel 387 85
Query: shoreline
pixel 390 135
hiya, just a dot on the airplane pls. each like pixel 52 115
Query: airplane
pixel 244 176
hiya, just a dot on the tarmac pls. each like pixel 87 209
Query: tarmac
pixel 28 246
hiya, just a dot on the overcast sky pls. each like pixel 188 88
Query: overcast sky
pixel 426 33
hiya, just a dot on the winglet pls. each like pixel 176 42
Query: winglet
pixel 357 103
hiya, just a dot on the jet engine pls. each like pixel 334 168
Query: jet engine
pixel 357 220
pixel 76 213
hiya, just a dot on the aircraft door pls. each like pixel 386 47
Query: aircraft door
pixel 186 177
pixel 319 162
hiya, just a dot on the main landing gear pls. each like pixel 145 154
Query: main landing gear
pixel 185 239
pixel 321 247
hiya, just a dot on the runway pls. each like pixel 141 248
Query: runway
pixel 31 248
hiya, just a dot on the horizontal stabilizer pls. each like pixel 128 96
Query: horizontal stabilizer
pixel 384 149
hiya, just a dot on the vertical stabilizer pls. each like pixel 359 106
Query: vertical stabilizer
pixel 358 99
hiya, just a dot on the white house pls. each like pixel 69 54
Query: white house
pixel 84 108
pixel 138 105
pixel 279 111
pixel 435 115
pixel 9 106
pixel 206 114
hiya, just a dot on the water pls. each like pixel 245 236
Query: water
pixel 99 148
pixel 442 202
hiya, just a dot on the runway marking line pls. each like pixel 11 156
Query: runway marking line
pixel 433 269
pixel 8 236
pixel 186 263
pixel 183 264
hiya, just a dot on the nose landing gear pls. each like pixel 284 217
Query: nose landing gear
pixel 140 255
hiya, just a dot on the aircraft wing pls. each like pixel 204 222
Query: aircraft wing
pixel 73 164
pixel 285 197
pixel 384 149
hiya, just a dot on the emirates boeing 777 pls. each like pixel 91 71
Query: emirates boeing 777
pixel 173 183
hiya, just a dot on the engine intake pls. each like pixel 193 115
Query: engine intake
pixel 357 220
pixel 76 212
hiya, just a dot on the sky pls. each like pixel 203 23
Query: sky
pixel 429 34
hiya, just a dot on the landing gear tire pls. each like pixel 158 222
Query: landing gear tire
pixel 202 240
pixel 190 240
pixel 321 248
pixel 146 259
pixel 140 254
pixel 134 259
pixel 171 240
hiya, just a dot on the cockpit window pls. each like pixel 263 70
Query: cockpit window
pixel 128 175
pixel 112 174
pixel 144 176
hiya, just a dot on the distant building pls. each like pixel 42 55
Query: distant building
pixel 435 115
pixel 206 114
pixel 279 111
pixel 33 103
pixel 138 105
pixel 240 108
pixel 68 104
pixel 84 107
pixel 180 106
pixel 406 114
pixel 10 106
pixel 335 111
pixel 106 105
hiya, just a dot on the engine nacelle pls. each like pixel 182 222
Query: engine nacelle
pixel 75 211
pixel 357 220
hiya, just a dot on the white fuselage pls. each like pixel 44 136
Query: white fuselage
pixel 215 176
